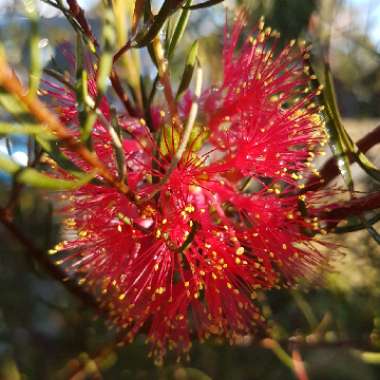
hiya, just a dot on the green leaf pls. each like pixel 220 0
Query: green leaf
pixel 152 28
pixel 179 29
pixel 360 157
pixel 32 177
pixel 191 61
pixel 357 225
pixel 106 58
pixel 367 166
pixel 342 145
pixel 25 129
pixel 347 143
pixel 117 146
pixel 34 50
pixel 86 116
pixel 205 4
pixel 334 130
pixel 13 105
pixel 24 122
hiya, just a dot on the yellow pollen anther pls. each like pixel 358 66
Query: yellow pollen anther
pixel 189 208
pixel 240 251
pixel 160 290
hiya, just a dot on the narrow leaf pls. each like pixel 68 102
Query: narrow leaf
pixel 152 28
pixel 346 140
pixel 86 115
pixel 61 159
pixel 342 145
pixel 34 49
pixel 114 130
pixel 205 4
pixel 191 61
pixel 179 29
pixel 334 130
pixel 13 106
pixel 32 177
pixel 106 58
pixel 25 129
pixel 357 225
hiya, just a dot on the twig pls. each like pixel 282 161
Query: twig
pixel 353 207
pixel 330 168
pixel 10 82
pixel 163 73
pixel 299 366
pixel 41 257
pixel 78 13
pixel 121 51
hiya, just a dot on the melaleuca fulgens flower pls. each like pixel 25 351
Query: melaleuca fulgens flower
pixel 185 255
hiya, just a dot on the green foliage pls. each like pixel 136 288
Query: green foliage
pixel 46 333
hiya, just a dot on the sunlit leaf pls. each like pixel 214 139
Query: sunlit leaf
pixel 13 106
pixel 106 58
pixel 342 145
pixel 346 141
pixel 334 127
pixel 179 29
pixel 86 116
pixel 33 177
pixel 13 128
pixel 191 61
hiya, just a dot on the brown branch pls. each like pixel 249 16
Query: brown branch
pixel 121 51
pixel 353 207
pixel 40 256
pixel 116 84
pixel 11 83
pixel 78 14
pixel 330 168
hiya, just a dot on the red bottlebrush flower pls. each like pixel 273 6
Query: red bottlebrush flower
pixel 263 116
pixel 187 256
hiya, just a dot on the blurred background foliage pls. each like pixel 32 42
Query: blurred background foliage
pixel 47 334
